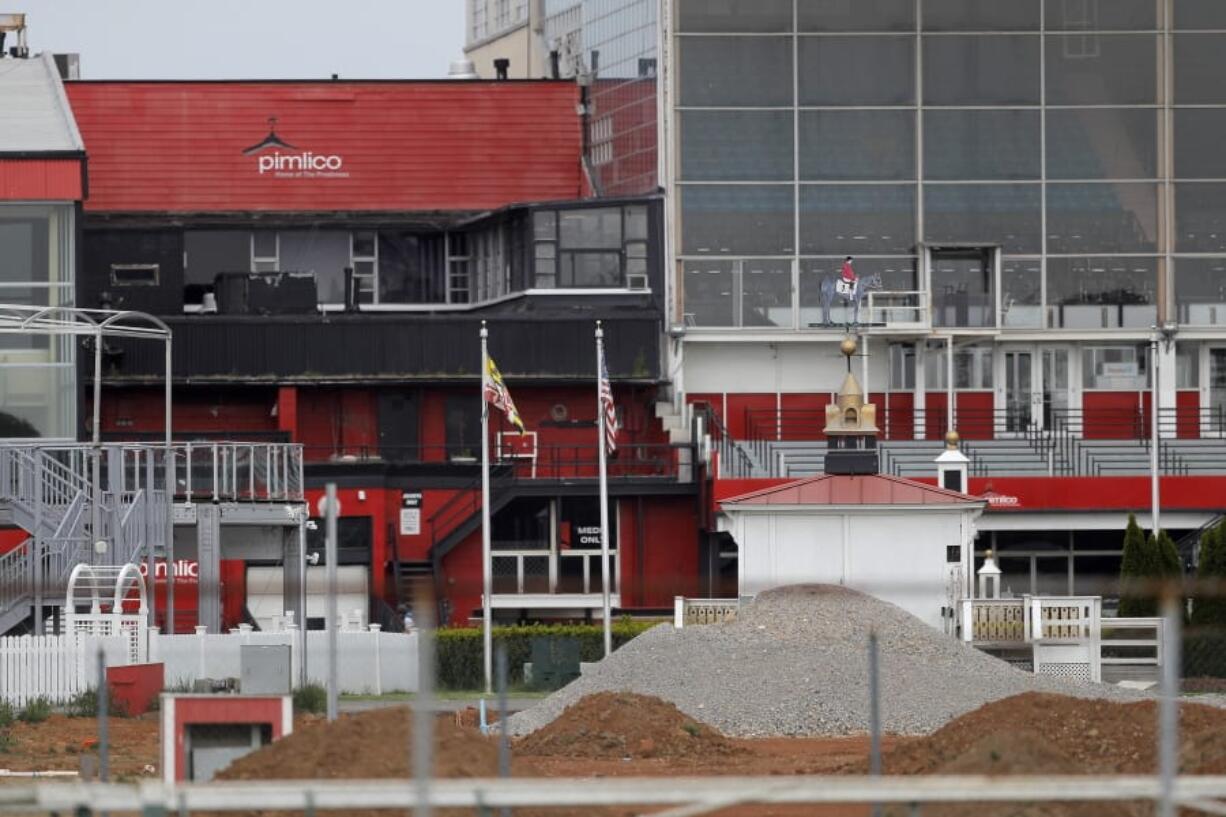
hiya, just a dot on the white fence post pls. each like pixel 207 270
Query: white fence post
pixel 678 612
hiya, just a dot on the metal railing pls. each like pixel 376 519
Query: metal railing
pixel 239 472
pixel 732 460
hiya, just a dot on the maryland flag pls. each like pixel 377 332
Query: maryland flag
pixel 497 395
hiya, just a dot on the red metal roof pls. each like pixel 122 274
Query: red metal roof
pixel 875 489
pixel 40 179
pixel 366 146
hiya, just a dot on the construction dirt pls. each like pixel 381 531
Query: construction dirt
pixel 619 734
pixel 58 743
pixel 621 725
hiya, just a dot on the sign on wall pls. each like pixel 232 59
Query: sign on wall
pixel 410 513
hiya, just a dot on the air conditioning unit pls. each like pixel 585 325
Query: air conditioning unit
pixel 636 281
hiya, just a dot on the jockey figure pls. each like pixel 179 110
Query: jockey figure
pixel 848 274
pixel 846 284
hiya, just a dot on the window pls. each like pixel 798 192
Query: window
pixel 458 282
pixel 1101 293
pixel 752 72
pixel 981 145
pixel 857 220
pixel 748 219
pixel 1021 285
pixel 856 70
pixel 856 15
pixel 1005 214
pixel 1200 217
pixel 1119 69
pixel 709 289
pixel 981 69
pixel 1115 368
pixel 736 145
pixel 265 252
pixel 322 253
pixel 902 366
pixel 1187 366
pixel 1105 143
pixel 981 15
pixel 1200 291
pixel 364 259
pixel 857 145
pixel 1106 217
pixel 972 367
pixel 134 275
pixel 1198 69
pixel 748 16
pixel 592 248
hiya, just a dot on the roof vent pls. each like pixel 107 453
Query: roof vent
pixel 462 69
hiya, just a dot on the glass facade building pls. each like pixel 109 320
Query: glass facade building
pixel 613 43
pixel 37 372
pixel 1007 164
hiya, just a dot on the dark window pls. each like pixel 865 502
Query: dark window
pixel 1005 214
pixel 1102 218
pixel 522 525
pixel 1102 69
pixel 1101 293
pixel 1200 291
pixel 1198 69
pixel 134 275
pixel 857 70
pixel 463 425
pixel 856 15
pixel 963 293
pixel 1200 217
pixel 353 540
pixel 1195 14
pixel 750 16
pixel 1103 143
pixel 981 70
pixel 709 292
pixel 211 252
pixel 766 292
pixel 736 145
pixel 749 219
pixel 981 145
pixel 1100 15
pixel 1199 136
pixel 857 220
pixel 735 71
pixel 981 15
pixel 857 145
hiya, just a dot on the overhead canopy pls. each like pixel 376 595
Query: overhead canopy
pixel 18 319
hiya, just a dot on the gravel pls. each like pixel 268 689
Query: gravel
pixel 795 662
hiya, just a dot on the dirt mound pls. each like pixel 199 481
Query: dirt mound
pixel 623 724
pixel 375 745
pixel 1089 736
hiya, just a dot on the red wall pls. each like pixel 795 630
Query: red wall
pixel 403 146
pixel 41 180
pixel 659 553
pixel 11 538
pixel 195 410
pixel 1187 417
pixel 1114 415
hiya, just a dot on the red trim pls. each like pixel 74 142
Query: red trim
pixel 40 180
pixel 228 709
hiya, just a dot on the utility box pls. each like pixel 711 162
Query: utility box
pixel 202 734
pixel 265 669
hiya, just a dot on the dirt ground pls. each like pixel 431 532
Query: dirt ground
pixel 626 735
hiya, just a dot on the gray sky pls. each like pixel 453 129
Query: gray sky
pixel 241 39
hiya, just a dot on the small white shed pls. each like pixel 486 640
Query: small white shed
pixel 903 541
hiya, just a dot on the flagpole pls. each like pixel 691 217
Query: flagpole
pixel 487 583
pixel 606 575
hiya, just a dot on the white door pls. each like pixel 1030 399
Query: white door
pixel 1016 390
pixel 1054 399
pixel 1215 424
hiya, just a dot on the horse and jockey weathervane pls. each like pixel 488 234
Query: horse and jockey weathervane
pixel 851 288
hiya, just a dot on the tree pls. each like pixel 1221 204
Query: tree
pixel 1209 610
pixel 1136 567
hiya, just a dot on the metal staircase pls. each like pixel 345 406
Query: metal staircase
pixel 48 492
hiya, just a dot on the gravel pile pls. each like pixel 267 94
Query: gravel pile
pixel 795 662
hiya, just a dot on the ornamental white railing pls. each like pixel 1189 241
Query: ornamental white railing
pixel 691 612
pixel 1062 632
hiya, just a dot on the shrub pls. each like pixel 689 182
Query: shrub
pixel 1136 567
pixel 7 716
pixel 36 710
pixel 460 663
pixel 311 698
pixel 1209 609
pixel 85 705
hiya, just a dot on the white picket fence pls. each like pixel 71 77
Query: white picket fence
pixel 53 667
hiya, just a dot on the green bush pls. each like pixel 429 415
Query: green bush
pixel 1209 607
pixel 311 698
pixel 85 705
pixel 460 661
pixel 7 715
pixel 1136 568
pixel 36 710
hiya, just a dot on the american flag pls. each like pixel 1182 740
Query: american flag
pixel 497 394
pixel 610 411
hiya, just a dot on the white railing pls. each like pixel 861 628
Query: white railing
pixel 53 667
pixel 692 612
pixel 1131 649
pixel 898 308
pixel 1062 632
pixel 536 571
pixel 240 472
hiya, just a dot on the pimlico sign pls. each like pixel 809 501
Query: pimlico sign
pixel 279 159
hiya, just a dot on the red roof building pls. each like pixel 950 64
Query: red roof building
pixel 421 146
pixel 873 489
